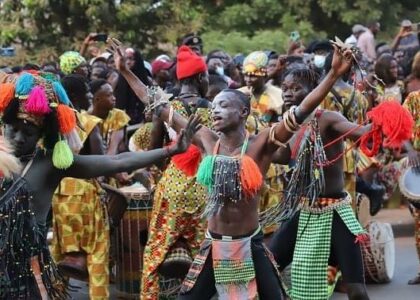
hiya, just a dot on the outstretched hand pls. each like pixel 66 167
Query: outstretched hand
pixel 342 60
pixel 414 160
pixel 186 135
pixel 117 50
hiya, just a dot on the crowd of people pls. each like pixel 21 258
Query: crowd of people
pixel 256 164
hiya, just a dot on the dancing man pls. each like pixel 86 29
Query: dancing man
pixel 412 103
pixel 175 221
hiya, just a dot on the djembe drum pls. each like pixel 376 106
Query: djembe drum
pixel 379 253
pixel 177 261
pixel 409 184
pixel 130 239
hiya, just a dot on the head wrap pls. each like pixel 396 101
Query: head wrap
pixel 70 60
pixel 188 63
pixel 40 98
pixel 256 64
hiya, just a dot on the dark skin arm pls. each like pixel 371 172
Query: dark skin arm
pixel 340 65
pixel 138 87
pixel 95 142
pixel 90 166
pixel 340 126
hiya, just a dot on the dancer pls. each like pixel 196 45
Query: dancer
pixel 232 259
pixel 40 110
pixel 178 198
pixel 317 206
pixel 412 103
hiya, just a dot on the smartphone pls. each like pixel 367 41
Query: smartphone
pixel 100 37
pixel 295 36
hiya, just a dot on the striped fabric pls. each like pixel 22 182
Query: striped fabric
pixel 312 251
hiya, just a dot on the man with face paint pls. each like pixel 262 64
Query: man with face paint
pixel 34 107
pixel 310 232
pixel 266 107
pixel 232 258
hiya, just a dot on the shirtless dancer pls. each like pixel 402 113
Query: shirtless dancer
pixel 41 177
pixel 233 259
pixel 330 223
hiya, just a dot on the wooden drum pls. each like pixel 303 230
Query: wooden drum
pixel 130 239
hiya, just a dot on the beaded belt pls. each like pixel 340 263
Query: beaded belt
pixel 322 205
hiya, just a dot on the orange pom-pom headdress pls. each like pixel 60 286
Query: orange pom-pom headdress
pixel 39 98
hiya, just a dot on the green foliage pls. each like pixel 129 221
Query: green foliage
pixel 45 28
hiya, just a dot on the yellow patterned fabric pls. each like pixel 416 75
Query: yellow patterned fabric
pixel 394 92
pixel 353 106
pixel 142 137
pixel 116 120
pixel 412 103
pixel 87 122
pixel 80 222
pixel 263 109
pixel 177 207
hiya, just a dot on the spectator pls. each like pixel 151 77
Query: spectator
pixel 366 41
pixel 356 30
pixel 405 46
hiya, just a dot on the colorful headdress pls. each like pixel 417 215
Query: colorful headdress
pixel 256 64
pixel 70 60
pixel 42 100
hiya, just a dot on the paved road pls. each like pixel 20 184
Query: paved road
pixel 406 267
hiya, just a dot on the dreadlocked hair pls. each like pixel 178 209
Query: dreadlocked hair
pixel 306 76
pixel 50 129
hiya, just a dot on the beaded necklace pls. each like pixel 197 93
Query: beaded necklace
pixel 228 178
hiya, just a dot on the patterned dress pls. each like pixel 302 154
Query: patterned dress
pixel 177 207
pixel 412 103
pixel 79 218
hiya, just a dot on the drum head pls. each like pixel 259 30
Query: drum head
pixel 363 209
pixel 389 250
pixel 383 250
pixel 410 184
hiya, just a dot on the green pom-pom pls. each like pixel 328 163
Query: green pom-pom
pixel 205 171
pixel 62 155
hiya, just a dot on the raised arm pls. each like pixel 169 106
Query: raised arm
pixel 89 166
pixel 341 63
pixel 138 87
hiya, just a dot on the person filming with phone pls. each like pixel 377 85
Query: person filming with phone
pixel 405 45
pixel 88 46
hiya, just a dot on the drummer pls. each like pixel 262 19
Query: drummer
pixel 412 103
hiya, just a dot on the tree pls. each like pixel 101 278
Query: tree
pixel 40 28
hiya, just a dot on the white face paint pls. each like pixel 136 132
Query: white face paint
pixel 319 61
